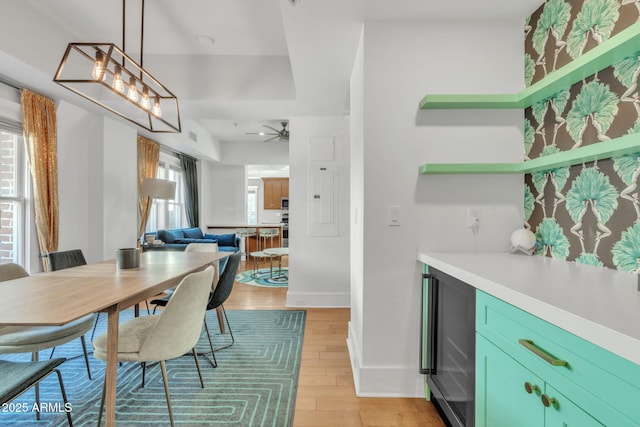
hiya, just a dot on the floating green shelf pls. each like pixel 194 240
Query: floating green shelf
pixel 618 47
pixel 624 145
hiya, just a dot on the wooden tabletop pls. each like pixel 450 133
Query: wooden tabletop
pixel 59 297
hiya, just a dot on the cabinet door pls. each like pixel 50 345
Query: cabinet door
pixel 564 413
pixel 501 397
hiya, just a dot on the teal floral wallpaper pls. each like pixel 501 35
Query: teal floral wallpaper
pixel 587 213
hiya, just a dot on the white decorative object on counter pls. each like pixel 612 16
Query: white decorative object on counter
pixel 523 240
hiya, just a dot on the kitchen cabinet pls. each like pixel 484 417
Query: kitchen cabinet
pixel 274 189
pixel 512 395
pixel 532 373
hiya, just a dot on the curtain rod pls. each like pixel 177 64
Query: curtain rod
pixel 173 152
pixel 11 83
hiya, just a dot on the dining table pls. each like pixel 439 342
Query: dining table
pixel 59 297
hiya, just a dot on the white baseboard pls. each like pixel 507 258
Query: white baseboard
pixel 318 300
pixel 383 381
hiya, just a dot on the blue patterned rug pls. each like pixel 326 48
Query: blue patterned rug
pixel 279 278
pixel 255 383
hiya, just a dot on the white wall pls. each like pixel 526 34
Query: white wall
pixel 402 62
pixel 223 195
pixel 97 180
pixel 318 266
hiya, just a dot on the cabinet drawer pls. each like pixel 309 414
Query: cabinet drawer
pixel 589 372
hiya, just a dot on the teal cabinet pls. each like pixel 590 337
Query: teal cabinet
pixel 564 413
pixel 501 399
pixel 508 394
pixel 532 373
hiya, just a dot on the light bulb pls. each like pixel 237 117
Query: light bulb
pixel 118 84
pixel 132 93
pixel 99 67
pixel 156 107
pixel 144 102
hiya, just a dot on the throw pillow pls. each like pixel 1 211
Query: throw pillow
pixel 169 236
pixel 223 239
pixel 192 233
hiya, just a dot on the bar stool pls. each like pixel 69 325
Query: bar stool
pixel 243 233
pixel 268 233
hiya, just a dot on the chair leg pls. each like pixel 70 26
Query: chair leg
pixel 86 355
pixel 230 331
pixel 195 357
pixel 95 325
pixel 144 370
pixel 64 397
pixel 104 391
pixel 213 361
pixel 163 367
pixel 36 388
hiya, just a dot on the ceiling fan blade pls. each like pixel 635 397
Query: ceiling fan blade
pixel 272 138
pixel 272 128
pixel 260 133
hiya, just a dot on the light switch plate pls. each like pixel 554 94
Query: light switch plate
pixel 394 216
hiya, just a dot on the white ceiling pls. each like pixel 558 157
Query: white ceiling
pixel 238 64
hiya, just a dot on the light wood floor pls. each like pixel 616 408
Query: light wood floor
pixel 326 393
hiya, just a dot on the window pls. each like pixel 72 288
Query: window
pixel 12 193
pixel 168 214
pixel 252 205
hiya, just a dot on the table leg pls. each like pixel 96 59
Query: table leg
pixel 270 267
pixel 112 364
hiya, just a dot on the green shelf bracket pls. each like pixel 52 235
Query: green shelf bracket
pixel 618 47
pixel 617 147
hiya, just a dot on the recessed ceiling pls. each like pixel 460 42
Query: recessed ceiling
pixel 247 62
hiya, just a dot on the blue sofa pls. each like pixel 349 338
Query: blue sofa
pixel 178 239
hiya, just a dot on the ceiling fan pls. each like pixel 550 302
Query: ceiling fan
pixel 275 134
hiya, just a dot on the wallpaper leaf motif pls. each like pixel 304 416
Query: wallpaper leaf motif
pixel 557 177
pixel 529 137
pixel 553 21
pixel 552 240
pixel 589 259
pixel 529 204
pixel 597 103
pixel 591 191
pixel 626 252
pixel 627 72
pixel 628 169
pixel 529 69
pixel 596 19
pixel 557 102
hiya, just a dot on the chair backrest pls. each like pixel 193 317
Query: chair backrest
pixel 225 284
pixel 66 259
pixel 11 271
pixel 178 329
pixel 201 247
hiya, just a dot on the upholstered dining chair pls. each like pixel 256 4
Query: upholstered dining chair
pixel 32 339
pixel 61 260
pixel 191 247
pixel 216 300
pixel 18 377
pixel 160 337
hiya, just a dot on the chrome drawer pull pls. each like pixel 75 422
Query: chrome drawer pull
pixel 529 345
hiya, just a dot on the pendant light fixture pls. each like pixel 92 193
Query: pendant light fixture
pixel 104 74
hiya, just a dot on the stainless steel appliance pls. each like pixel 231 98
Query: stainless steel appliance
pixel 284 206
pixel 450 347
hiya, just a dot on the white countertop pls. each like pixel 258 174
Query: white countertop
pixel 598 304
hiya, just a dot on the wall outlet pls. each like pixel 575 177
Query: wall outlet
pixel 473 218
